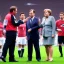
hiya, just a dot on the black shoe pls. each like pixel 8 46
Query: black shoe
pixel 21 56
pixel 13 61
pixel 3 59
pixel 29 60
pixel 61 55
pixel 38 60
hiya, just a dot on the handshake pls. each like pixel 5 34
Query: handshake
pixel 25 20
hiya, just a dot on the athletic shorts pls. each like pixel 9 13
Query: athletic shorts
pixel 2 40
pixel 21 40
pixel 60 39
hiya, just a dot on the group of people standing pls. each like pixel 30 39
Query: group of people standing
pixel 29 27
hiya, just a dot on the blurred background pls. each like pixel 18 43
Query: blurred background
pixel 56 6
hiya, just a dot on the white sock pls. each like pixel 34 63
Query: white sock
pixel 0 54
pixel 19 49
pixel 1 50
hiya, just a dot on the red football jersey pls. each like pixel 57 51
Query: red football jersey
pixel 60 25
pixel 1 29
pixel 22 30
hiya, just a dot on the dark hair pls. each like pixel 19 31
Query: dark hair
pixel 32 10
pixel 13 8
pixel 62 13
pixel 22 13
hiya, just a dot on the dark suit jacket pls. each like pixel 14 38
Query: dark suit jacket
pixel 34 34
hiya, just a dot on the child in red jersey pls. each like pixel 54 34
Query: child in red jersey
pixel 1 38
pixel 60 30
pixel 21 36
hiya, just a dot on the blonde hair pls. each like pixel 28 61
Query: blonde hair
pixel 48 10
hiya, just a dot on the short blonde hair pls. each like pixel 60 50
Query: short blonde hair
pixel 48 10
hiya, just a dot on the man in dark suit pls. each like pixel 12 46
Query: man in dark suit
pixel 32 35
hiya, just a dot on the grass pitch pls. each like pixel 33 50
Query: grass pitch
pixel 56 57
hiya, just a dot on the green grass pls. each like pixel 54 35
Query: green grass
pixel 57 59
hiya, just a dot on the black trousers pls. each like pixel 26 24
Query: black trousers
pixel 30 48
pixel 9 44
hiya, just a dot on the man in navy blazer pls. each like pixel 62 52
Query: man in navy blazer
pixel 32 35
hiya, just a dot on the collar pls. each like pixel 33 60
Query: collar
pixel 11 13
pixel 33 17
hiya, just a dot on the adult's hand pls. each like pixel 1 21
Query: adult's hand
pixel 59 30
pixel 53 36
pixel 29 30
pixel 25 20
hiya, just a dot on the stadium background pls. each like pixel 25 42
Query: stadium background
pixel 39 5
